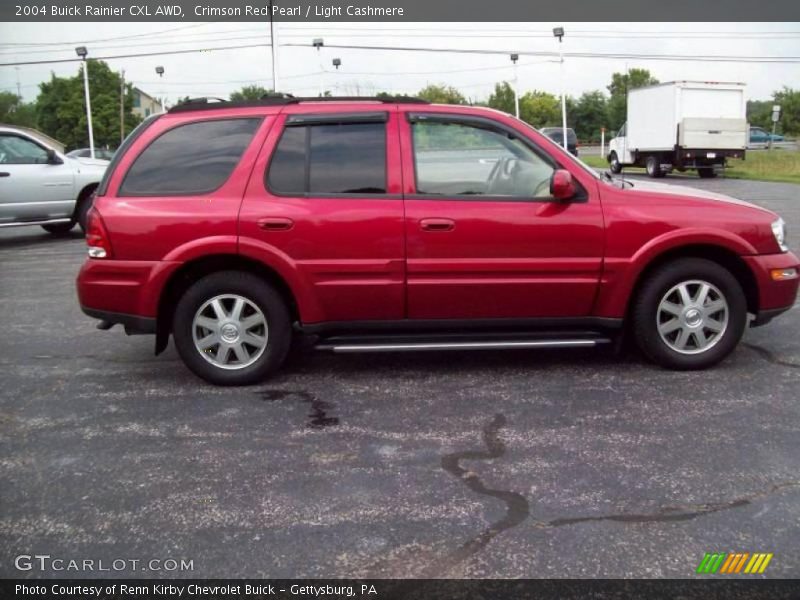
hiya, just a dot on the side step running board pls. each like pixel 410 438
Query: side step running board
pixel 344 347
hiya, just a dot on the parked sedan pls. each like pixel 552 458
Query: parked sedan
pixel 41 186
pixel 99 153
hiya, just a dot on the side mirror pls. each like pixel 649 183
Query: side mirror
pixel 562 187
pixel 52 158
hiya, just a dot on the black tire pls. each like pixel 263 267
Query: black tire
pixel 59 228
pixel 644 313
pixel 653 167
pixel 614 164
pixel 707 173
pixel 255 290
pixel 85 202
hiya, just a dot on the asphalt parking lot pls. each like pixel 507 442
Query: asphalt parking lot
pixel 513 464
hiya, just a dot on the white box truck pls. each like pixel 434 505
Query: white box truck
pixel 682 125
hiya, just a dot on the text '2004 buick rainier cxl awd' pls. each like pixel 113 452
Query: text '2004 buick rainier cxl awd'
pixel 391 225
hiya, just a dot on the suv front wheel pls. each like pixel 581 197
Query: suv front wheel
pixel 232 328
pixel 689 314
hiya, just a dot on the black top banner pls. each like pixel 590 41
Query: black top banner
pixel 398 10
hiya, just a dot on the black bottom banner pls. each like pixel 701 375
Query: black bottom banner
pixel 388 589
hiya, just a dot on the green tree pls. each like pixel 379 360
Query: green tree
pixel 61 112
pixel 503 98
pixel 249 92
pixel 14 111
pixel 540 109
pixel 588 115
pixel 621 83
pixel 442 94
pixel 759 113
pixel 789 100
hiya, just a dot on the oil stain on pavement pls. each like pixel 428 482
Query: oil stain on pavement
pixel 318 417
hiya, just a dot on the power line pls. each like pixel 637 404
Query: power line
pixel 595 55
pixel 616 55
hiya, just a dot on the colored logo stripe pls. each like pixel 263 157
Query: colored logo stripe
pixel 733 562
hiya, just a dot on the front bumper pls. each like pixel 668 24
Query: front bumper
pixel 774 297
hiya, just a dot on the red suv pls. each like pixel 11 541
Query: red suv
pixel 394 224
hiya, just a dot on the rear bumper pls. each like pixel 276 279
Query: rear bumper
pixel 133 324
pixel 774 297
pixel 131 289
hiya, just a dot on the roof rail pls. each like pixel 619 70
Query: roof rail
pixel 281 99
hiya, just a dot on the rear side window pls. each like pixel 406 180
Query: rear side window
pixel 195 158
pixel 330 158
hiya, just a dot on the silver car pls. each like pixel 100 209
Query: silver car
pixel 41 186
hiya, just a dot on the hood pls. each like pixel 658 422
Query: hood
pixel 689 193
pixel 88 165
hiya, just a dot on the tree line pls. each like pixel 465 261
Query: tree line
pixel 59 109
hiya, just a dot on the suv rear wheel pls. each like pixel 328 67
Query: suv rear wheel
pixel 232 328
pixel 689 314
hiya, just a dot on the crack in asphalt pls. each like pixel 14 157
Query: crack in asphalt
pixel 770 357
pixel 318 417
pixel 518 508
pixel 685 512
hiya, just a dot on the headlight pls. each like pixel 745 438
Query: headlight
pixel 779 231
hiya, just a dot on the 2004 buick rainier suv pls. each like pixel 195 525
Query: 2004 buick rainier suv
pixel 396 225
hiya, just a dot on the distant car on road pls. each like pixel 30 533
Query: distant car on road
pixel 41 186
pixel 99 153
pixel 762 136
pixel 557 135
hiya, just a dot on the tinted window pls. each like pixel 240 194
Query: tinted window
pixel 190 159
pixel 459 159
pixel 343 158
pixel 287 172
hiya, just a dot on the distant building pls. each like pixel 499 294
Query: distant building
pixel 144 104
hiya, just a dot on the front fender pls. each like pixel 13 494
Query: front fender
pixel 620 274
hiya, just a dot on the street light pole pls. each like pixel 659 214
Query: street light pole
pixel 81 51
pixel 318 43
pixel 337 62
pixel 160 72
pixel 559 33
pixel 514 59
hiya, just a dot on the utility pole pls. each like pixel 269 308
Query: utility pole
pixel 122 107
pixel 19 87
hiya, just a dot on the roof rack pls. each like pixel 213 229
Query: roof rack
pixel 280 99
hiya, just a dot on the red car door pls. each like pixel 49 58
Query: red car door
pixel 484 237
pixel 324 209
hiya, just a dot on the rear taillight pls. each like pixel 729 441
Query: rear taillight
pixel 97 236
